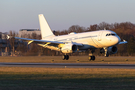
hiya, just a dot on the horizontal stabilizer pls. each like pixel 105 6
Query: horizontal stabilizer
pixel 123 42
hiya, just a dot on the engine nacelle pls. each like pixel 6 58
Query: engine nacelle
pixel 69 48
pixel 112 50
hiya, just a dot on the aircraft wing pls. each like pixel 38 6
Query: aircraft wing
pixel 44 42
pixel 123 42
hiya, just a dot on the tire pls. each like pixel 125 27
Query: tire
pixel 91 58
pixel 107 55
pixel 64 57
pixel 67 57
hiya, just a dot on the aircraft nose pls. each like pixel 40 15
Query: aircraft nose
pixel 117 40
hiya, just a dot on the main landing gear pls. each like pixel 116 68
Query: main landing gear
pixel 65 57
pixel 91 56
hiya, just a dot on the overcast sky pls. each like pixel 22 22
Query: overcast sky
pixel 61 14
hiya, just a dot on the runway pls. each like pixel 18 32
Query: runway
pixel 68 65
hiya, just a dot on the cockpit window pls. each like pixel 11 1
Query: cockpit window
pixel 110 34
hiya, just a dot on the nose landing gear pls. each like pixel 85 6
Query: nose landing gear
pixel 106 52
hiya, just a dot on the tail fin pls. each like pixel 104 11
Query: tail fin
pixel 45 29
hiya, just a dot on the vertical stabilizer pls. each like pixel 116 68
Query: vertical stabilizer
pixel 45 29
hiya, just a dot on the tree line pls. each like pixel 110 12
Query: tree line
pixel 126 31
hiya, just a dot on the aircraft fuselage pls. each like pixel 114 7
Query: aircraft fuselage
pixel 96 39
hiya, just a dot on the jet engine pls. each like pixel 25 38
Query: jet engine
pixel 112 50
pixel 69 48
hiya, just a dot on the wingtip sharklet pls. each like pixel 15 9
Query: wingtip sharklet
pixel 8 37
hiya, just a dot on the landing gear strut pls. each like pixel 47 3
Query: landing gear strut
pixel 106 52
pixel 65 57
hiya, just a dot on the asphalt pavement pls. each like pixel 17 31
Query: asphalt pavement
pixel 68 65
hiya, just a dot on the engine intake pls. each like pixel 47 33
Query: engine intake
pixel 112 50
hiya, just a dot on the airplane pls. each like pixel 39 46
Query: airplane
pixel 105 40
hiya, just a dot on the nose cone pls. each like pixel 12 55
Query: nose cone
pixel 116 40
pixel 110 41
pixel 119 39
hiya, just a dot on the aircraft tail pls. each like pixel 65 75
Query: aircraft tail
pixel 45 29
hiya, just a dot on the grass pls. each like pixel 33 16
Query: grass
pixel 73 59
pixel 39 78
pixel 32 78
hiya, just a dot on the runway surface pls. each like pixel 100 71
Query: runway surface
pixel 68 65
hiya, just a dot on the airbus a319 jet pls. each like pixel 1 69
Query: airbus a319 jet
pixel 105 40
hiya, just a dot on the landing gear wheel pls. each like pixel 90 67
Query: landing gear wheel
pixel 91 58
pixel 107 55
pixel 65 57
